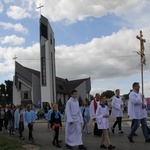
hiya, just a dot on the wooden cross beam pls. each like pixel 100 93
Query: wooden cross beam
pixel 142 41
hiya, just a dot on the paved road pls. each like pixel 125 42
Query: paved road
pixel 43 138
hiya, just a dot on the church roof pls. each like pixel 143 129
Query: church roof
pixel 62 85
pixel 65 86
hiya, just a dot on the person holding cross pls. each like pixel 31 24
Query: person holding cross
pixel 137 112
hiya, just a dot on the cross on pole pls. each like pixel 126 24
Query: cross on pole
pixel 142 56
pixel 39 7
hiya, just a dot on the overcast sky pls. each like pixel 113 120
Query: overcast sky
pixel 94 38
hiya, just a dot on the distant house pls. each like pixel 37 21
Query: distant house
pixel 27 87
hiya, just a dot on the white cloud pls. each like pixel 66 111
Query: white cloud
pixel 103 59
pixel 12 39
pixel 17 27
pixel 24 56
pixel 1 7
pixel 72 11
pixel 16 12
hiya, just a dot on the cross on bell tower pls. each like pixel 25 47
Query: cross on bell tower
pixel 40 7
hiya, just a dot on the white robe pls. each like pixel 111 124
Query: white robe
pixel 73 134
pixel 135 105
pixel 102 123
pixel 144 111
pixel 92 109
pixel 16 120
pixel 117 110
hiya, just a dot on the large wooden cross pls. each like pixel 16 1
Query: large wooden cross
pixel 142 56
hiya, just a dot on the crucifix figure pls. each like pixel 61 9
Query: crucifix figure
pixel 142 56
pixel 40 7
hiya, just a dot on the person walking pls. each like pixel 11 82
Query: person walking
pixel 73 134
pixel 1 118
pixel 102 114
pixel 86 116
pixel 55 124
pixel 30 116
pixel 93 107
pixel 137 112
pixel 117 111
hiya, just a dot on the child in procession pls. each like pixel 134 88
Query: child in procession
pixel 102 114
pixel 86 116
pixel 30 116
pixel 55 124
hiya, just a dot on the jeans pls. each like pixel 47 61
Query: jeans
pixel 118 121
pixel 56 135
pixel 134 127
pixel 85 124
pixel 144 128
pixel 21 128
pixel 30 126
pixel 11 126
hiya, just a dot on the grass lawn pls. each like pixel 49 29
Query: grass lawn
pixel 8 144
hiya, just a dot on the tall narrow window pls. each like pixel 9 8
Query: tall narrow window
pixel 43 66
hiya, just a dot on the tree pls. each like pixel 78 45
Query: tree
pixel 108 93
pixel 2 93
pixel 6 92
pixel 125 96
pixel 9 90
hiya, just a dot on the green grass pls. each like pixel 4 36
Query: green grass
pixel 8 144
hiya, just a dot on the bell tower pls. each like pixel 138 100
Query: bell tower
pixel 47 59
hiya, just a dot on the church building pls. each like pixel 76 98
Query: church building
pixel 43 85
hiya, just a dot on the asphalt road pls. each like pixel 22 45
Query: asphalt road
pixel 43 138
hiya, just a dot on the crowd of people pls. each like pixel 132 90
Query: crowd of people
pixel 96 113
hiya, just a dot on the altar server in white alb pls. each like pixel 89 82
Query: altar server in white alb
pixel 117 111
pixel 102 114
pixel 74 120
pixel 137 112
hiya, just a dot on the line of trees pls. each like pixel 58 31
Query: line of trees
pixel 6 92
